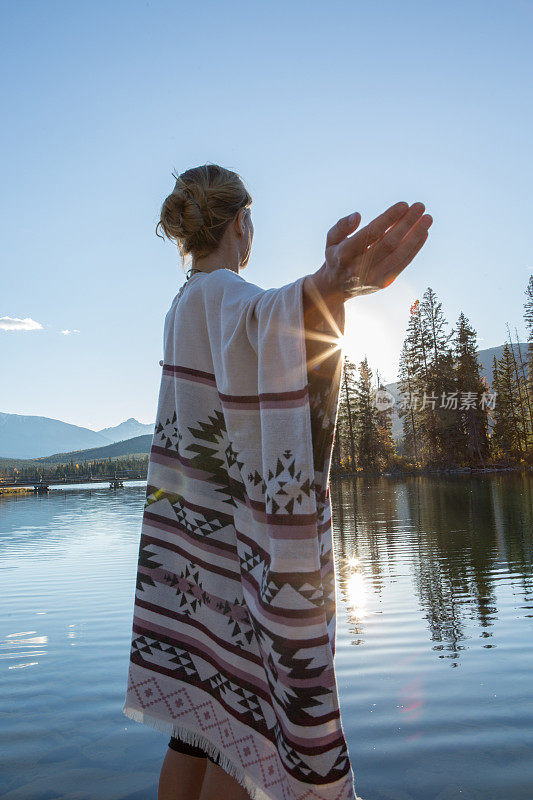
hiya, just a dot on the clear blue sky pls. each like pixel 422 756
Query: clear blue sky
pixel 322 108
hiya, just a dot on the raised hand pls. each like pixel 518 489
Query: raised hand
pixel 373 257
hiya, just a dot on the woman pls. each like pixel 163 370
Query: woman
pixel 233 636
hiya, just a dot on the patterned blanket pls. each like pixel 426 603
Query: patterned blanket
pixel 233 637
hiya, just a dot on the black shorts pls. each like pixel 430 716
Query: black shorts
pixel 189 749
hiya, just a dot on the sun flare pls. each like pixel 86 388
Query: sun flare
pixel 374 327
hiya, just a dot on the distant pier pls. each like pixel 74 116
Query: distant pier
pixel 43 486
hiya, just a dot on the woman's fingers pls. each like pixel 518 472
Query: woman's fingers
pixel 392 238
pixel 343 228
pixel 375 229
pixel 407 250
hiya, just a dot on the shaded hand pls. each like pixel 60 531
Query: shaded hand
pixel 376 254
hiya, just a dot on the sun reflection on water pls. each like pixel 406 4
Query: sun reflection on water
pixel 22 643
pixel 356 588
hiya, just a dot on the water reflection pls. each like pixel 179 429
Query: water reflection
pixel 462 540
pixel 46 522
pixel 434 651
pixel 355 588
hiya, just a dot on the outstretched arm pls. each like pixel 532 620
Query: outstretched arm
pixel 368 261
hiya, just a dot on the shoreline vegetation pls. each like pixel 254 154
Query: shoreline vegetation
pixel 11 490
pixel 57 473
pixel 452 420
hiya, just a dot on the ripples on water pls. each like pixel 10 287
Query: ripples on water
pixel 434 640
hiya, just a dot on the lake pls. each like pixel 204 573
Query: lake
pixel 434 647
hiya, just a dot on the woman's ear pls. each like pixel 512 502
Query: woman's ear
pixel 241 221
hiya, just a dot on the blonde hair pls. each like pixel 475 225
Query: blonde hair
pixel 197 212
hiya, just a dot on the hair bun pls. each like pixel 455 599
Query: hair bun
pixel 198 210
pixel 182 214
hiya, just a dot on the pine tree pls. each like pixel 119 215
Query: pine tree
pixel 472 439
pixel 520 394
pixel 405 409
pixel 347 409
pixel 506 439
pixel 349 385
pixel 438 422
pixel 528 319
pixel 341 444
pixel 525 394
pixel 366 428
pixel 411 369
pixel 336 451
pixel 386 448
pixel 434 324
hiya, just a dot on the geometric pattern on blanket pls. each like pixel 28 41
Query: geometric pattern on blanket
pixel 227 649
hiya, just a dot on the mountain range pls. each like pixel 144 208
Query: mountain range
pixel 23 436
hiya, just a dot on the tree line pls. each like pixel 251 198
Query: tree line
pixel 127 466
pixel 450 416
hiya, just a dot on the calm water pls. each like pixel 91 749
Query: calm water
pixel 434 641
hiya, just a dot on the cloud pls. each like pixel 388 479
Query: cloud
pixel 66 332
pixel 17 324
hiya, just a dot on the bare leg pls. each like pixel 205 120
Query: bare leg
pixel 217 784
pixel 181 776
